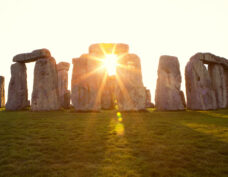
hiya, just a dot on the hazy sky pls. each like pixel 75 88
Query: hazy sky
pixel 150 27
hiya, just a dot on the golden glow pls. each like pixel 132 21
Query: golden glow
pixel 110 63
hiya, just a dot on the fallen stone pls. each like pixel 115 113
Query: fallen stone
pixel 199 90
pixel 168 93
pixel 33 56
pixel 45 95
pixel 2 91
pixel 17 91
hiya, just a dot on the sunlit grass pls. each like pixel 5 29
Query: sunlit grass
pixel 114 144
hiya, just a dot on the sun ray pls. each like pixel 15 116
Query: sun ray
pixel 101 88
pixel 123 89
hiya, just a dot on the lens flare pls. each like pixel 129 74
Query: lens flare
pixel 110 63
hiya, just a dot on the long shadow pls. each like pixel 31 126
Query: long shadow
pixel 52 144
pixel 163 145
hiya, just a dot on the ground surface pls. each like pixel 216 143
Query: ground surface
pixel 166 144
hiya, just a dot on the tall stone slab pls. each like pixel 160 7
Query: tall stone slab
pixel 168 94
pixel 149 104
pixel 86 84
pixel 45 95
pixel 2 91
pixel 217 75
pixel 17 91
pixel 199 90
pixel 64 93
pixel 108 93
pixel 130 91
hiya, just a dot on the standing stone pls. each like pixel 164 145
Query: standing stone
pixel 130 92
pixel 17 91
pixel 168 93
pixel 86 84
pixel 217 75
pixel 64 93
pixel 149 104
pixel 108 94
pixel 2 91
pixel 45 95
pixel 200 94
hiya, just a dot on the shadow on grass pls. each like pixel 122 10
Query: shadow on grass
pixel 163 146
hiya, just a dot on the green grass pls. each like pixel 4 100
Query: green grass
pixel 159 144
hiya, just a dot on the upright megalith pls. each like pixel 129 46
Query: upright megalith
pixel 86 84
pixel 199 90
pixel 130 91
pixel 108 93
pixel 64 93
pixel 168 94
pixel 33 56
pixel 206 87
pixel 2 91
pixel 217 76
pixel 149 104
pixel 45 95
pixel 17 91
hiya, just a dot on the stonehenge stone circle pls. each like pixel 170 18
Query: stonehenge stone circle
pixel 45 95
pixel 130 91
pixel 168 95
pixel 17 91
pixel 33 56
pixel 2 91
pixel 64 93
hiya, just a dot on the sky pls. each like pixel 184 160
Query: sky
pixel 151 28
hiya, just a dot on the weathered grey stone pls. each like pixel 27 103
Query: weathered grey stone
pixel 17 91
pixel 149 104
pixel 108 93
pixel 199 91
pixel 33 56
pixel 45 95
pixel 130 91
pixel 217 76
pixel 209 58
pixel 86 84
pixel 168 93
pixel 63 68
pixel 2 91
pixel 108 48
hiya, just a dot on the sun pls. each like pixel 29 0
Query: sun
pixel 110 63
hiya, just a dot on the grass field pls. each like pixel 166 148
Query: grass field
pixel 159 144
